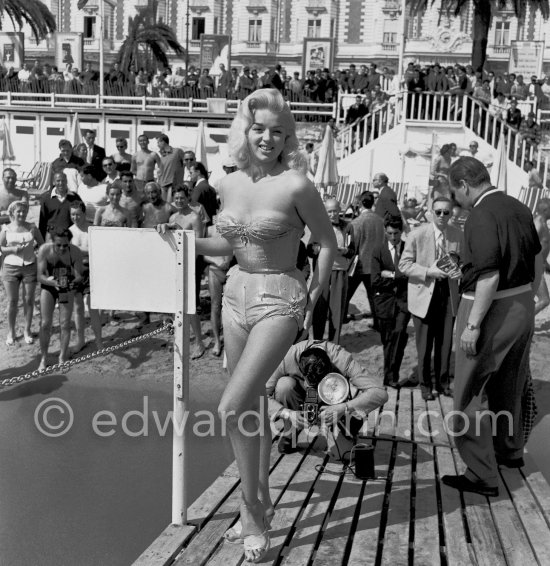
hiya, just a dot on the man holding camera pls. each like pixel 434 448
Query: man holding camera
pixel 294 394
pixel 432 294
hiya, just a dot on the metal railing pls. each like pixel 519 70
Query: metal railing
pixel 426 107
pixel 52 100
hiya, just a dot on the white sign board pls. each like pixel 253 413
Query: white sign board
pixel 526 58
pixel 137 269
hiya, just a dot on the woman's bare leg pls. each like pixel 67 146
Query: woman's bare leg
pixel 79 322
pixel 65 314
pixel 29 308
pixel 199 349
pixel 12 294
pixel 251 364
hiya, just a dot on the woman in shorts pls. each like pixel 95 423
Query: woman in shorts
pixel 18 241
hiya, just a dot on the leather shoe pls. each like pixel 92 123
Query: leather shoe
pixel 409 383
pixel 445 391
pixel 285 445
pixel 464 484
pixel 392 384
pixel 510 462
pixel 428 396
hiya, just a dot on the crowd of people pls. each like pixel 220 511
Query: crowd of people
pixel 374 84
pixel 278 289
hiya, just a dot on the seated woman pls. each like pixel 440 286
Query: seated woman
pixel 18 241
pixel 59 274
pixel 265 206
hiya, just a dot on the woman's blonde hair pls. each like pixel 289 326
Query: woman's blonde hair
pixel 15 205
pixel 268 99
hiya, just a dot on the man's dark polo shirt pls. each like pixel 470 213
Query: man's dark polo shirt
pixel 499 235
pixel 59 164
pixel 56 214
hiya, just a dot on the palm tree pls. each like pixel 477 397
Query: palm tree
pixel 147 42
pixel 31 12
pixel 483 14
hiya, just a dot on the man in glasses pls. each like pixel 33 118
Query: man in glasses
pixel 122 159
pixel 433 295
pixel 189 159
pixel 111 174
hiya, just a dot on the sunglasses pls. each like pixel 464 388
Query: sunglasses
pixel 442 212
pixel 121 146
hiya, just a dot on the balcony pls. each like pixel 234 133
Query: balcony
pixel 501 49
pixel 92 44
pixel 199 6
pixel 316 7
pixel 253 44
pixel 391 8
pixel 257 6
pixel 389 46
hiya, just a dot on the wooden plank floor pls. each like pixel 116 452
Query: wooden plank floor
pixel 324 515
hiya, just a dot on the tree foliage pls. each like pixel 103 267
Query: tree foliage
pixel 32 12
pixel 147 42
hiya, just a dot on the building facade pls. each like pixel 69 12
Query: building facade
pixel 267 31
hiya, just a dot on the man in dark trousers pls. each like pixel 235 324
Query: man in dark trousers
pixel 203 192
pixel 387 199
pixel 94 155
pixel 432 295
pixel 502 268
pixel 390 298
pixel 368 233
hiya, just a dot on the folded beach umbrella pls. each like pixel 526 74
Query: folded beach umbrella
pixel 7 147
pixel 326 173
pixel 499 170
pixel 75 135
pixel 200 145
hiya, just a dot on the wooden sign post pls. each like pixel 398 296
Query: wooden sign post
pixel 137 269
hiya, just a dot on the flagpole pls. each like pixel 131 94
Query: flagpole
pixel 402 34
pixel 101 54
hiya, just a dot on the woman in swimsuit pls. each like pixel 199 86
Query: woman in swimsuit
pixel 266 204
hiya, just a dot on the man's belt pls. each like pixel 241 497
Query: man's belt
pixel 504 293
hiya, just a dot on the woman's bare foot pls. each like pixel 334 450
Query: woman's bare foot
pixel 198 351
pixel 43 364
pixel 29 338
pixel 78 347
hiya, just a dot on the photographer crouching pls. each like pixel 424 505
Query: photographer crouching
pixel 319 383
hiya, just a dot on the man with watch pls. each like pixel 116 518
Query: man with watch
pixel 502 268
pixel 389 285
pixel 305 364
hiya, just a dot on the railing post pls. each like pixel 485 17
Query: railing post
pixel 9 98
pixel 191 104
pixel 98 100
pixel 52 99
pixel 143 103
pixel 335 110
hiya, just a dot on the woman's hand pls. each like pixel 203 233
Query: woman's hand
pixel 308 318
pixel 162 228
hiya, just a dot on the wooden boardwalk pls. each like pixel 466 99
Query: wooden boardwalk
pixel 404 516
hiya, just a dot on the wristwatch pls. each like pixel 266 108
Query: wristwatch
pixel 471 326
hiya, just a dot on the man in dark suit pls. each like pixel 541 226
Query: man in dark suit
pixel 387 199
pixel 94 155
pixel 433 295
pixel 356 111
pixel 390 298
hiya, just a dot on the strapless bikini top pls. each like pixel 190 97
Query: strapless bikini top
pixel 262 245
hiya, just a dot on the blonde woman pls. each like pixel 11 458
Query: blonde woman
pixel 18 241
pixel 265 206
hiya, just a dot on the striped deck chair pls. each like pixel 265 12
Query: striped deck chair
pixel 363 186
pixel 530 196
pixel 401 190
pixel 42 182
pixel 344 193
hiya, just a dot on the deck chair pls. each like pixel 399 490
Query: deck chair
pixel 27 178
pixel 41 183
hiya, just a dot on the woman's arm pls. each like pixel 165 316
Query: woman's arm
pixel 213 246
pixel 37 235
pixel 97 217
